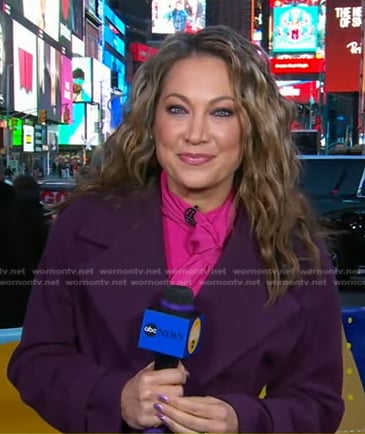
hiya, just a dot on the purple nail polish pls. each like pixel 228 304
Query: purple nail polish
pixel 164 398
pixel 161 417
pixel 158 407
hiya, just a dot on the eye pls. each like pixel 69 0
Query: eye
pixel 223 113
pixel 176 109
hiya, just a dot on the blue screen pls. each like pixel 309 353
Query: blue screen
pixel 114 40
pixel 114 19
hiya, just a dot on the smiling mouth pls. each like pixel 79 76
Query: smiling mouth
pixel 195 159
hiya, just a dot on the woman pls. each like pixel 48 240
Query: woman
pixel 207 132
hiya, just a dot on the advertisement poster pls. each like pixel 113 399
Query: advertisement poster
pixel 66 89
pixel 300 91
pixel 178 16
pixel 6 61
pixel 343 46
pixel 113 38
pixel 28 138
pixel 49 80
pixel 24 69
pixel 45 14
pixel 65 24
pixel 295 28
pixel 75 133
pixel 82 79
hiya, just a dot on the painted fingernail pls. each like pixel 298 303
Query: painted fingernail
pixel 161 417
pixel 163 398
pixel 187 373
pixel 158 407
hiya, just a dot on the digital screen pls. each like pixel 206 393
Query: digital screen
pixel 28 138
pixel 178 16
pixel 45 14
pixel 112 38
pixel 295 28
pixel 6 61
pixel 49 80
pixel 82 79
pixel 24 69
pixel 116 65
pixel 65 24
pixel 75 133
pixel 101 81
pixel 16 128
pixel 343 45
pixel 66 89
pixel 300 91
pixel 114 19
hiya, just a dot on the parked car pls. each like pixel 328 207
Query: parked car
pixel 336 187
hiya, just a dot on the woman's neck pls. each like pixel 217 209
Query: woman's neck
pixel 206 199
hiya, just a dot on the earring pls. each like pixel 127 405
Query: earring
pixel 150 136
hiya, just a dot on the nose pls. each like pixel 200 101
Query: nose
pixel 197 129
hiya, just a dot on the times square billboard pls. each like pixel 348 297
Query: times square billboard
pixel 343 46
pixel 54 18
pixel 299 28
pixel 172 16
pixel 40 73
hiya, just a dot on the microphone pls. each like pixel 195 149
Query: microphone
pixel 171 330
pixel 189 215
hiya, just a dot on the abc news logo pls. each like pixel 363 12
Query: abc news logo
pixel 150 330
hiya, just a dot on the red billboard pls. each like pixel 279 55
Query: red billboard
pixel 141 52
pixel 297 66
pixel 343 45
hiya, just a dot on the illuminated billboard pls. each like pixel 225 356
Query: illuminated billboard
pixel 300 91
pixel 75 133
pixel 49 80
pixel 343 46
pixel 113 38
pixel 6 62
pixel 45 14
pixel 24 69
pixel 113 18
pixel 82 79
pixel 295 28
pixel 84 128
pixel 66 89
pixel 178 16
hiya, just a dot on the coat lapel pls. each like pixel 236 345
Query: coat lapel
pixel 126 255
pixel 234 305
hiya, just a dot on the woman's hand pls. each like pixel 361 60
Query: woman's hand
pixel 197 414
pixel 144 389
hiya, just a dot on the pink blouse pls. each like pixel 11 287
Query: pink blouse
pixel 193 250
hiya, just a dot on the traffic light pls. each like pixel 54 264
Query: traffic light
pixel 43 116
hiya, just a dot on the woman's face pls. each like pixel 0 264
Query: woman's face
pixel 197 130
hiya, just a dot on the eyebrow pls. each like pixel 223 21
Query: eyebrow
pixel 214 100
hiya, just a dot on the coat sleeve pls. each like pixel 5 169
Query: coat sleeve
pixel 306 395
pixel 68 389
